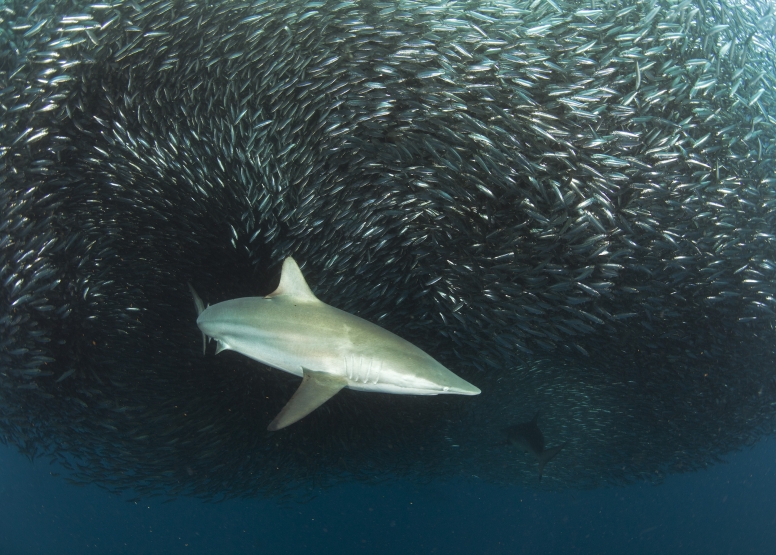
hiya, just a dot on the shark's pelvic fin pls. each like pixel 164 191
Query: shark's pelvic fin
pixel 221 346
pixel 547 455
pixel 293 284
pixel 316 388
pixel 200 308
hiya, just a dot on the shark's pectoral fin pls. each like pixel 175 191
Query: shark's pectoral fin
pixel 316 388
pixel 546 456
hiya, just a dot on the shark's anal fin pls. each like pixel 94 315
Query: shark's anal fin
pixel 316 388
pixel 200 308
pixel 546 456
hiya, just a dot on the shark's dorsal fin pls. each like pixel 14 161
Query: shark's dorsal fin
pixel 293 284
pixel 316 388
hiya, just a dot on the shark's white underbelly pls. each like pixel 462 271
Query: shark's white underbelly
pixel 363 373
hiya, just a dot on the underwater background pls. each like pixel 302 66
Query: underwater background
pixel 726 509
pixel 570 204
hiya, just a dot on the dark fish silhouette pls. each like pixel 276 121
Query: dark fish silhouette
pixel 528 437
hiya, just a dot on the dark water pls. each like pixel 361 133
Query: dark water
pixel 729 508
pixel 107 214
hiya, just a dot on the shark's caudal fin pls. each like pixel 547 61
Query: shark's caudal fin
pixel 547 455
pixel 316 388
pixel 200 308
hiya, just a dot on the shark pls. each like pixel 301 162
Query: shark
pixel 330 349
pixel 528 437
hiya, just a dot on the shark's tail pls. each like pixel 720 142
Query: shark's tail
pixel 546 456
pixel 200 308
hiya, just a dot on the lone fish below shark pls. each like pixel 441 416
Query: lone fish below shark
pixel 292 330
pixel 528 437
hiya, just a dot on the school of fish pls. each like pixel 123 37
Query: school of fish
pixel 571 205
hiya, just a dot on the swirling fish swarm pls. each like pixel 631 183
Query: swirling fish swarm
pixel 570 204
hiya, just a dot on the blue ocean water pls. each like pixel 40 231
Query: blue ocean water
pixel 728 508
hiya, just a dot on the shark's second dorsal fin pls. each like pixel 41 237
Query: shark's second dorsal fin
pixel 293 284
